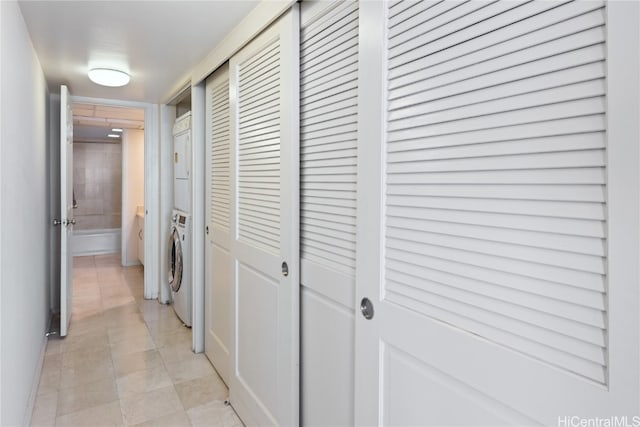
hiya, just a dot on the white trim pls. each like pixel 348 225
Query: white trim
pixel 167 118
pixel 124 197
pixel 152 251
pixel 371 104
pixel 198 156
pixel 181 93
pixel 623 203
pixel 289 314
pixel 263 15
pixel 151 190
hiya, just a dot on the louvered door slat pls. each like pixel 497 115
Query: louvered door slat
pixel 444 18
pixel 566 361
pixel 495 174
pixel 561 226
pixel 531 31
pixel 552 144
pixel 318 30
pixel 401 11
pixel 568 126
pixel 258 153
pixel 338 104
pixel 422 91
pixel 526 44
pixel 335 34
pixel 566 309
pixel 335 94
pixel 219 161
pixel 477 25
pixel 543 53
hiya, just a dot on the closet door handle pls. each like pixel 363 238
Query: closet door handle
pixel 140 234
pixel 366 308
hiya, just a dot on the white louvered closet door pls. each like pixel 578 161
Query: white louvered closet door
pixel 264 384
pixel 507 291
pixel 328 138
pixel 218 241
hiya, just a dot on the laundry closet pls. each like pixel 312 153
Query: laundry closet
pixel 414 213
pixel 179 283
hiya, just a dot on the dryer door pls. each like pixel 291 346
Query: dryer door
pixel 175 260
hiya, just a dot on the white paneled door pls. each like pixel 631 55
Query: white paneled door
pixel 66 207
pixel 328 159
pixel 264 215
pixel 218 241
pixel 497 264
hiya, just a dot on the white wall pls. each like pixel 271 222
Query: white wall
pixel 24 265
pixel 132 192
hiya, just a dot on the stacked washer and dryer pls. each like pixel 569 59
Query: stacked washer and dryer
pixel 180 231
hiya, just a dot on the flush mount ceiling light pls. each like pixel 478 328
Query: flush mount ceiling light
pixel 113 135
pixel 116 130
pixel 108 77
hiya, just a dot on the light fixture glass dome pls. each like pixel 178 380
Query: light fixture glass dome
pixel 108 77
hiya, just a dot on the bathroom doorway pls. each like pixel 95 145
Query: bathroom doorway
pixel 108 181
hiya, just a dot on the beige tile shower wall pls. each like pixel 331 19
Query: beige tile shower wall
pixel 97 183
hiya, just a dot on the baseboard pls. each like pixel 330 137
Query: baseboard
pixel 132 263
pixel 35 383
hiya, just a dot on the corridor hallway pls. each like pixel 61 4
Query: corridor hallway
pixel 126 360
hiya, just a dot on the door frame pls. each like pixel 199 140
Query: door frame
pixel 198 216
pixel 152 247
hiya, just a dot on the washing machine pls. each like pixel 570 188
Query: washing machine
pixel 180 265
pixel 182 163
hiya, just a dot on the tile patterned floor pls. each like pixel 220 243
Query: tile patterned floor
pixel 126 361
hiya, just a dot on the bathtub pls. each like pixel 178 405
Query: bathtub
pixel 96 242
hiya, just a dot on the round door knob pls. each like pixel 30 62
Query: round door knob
pixel 366 308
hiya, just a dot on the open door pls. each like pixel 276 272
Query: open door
pixel 66 209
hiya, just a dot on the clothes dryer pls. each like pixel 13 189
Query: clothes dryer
pixel 182 163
